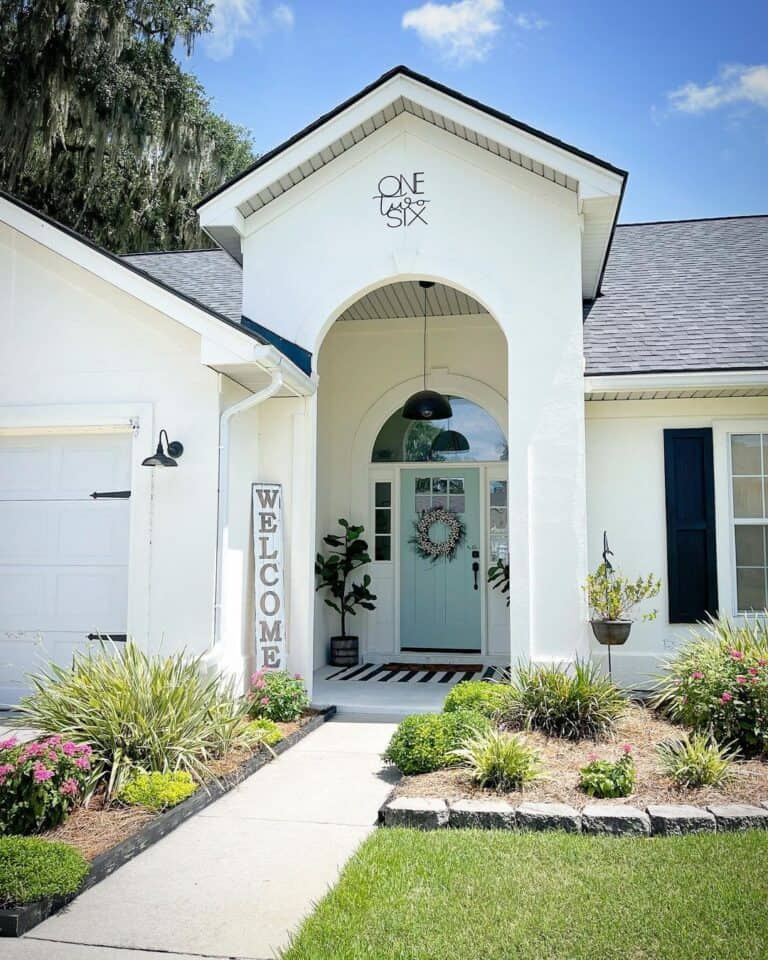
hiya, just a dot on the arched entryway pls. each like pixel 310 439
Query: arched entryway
pixel 377 469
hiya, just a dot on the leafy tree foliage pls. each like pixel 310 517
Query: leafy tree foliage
pixel 102 129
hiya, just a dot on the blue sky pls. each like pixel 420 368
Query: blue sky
pixel 676 92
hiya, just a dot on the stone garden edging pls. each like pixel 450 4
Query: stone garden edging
pixel 18 920
pixel 595 819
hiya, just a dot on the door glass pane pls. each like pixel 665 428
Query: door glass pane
pixel 750 549
pixel 439 485
pixel 423 485
pixel 498 519
pixel 745 454
pixel 498 490
pixel 439 500
pixel 747 497
pixel 383 548
pixel 750 588
pixel 384 494
pixel 456 485
pixel 383 521
pixel 457 503
pixel 423 502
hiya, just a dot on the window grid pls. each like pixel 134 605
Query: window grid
pixel 382 544
pixel 750 529
pixel 432 492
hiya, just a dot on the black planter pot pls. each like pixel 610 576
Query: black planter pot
pixel 611 633
pixel 345 651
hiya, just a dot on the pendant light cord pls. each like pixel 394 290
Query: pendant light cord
pixel 425 338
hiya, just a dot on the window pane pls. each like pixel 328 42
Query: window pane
pixel 456 485
pixel 383 548
pixel 457 503
pixel 499 547
pixel 439 485
pixel 498 518
pixel 423 502
pixel 745 454
pixel 750 588
pixel 383 521
pixel 498 493
pixel 750 549
pixel 383 494
pixel 422 485
pixel 439 500
pixel 747 497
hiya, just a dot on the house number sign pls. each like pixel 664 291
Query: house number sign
pixel 401 199
pixel 269 597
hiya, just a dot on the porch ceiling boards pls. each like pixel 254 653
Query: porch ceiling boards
pixel 406 299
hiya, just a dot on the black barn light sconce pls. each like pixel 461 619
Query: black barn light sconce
pixel 427 404
pixel 173 451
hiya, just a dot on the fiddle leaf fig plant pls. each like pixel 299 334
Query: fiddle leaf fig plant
pixel 348 552
pixel 612 596
pixel 498 577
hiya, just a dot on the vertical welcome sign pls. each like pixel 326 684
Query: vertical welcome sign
pixel 268 564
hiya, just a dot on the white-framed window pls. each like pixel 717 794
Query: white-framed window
pixel 382 520
pixel 498 527
pixel 749 518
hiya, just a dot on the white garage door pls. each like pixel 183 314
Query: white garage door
pixel 63 553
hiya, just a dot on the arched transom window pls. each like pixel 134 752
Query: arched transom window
pixel 413 441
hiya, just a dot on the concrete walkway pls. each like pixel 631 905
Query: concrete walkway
pixel 236 879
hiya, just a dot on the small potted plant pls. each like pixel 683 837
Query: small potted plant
pixel 611 599
pixel 348 553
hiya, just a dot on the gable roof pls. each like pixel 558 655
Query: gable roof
pixel 598 186
pixel 402 70
pixel 689 295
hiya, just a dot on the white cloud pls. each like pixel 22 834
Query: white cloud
pixel 530 21
pixel 235 20
pixel 463 31
pixel 735 84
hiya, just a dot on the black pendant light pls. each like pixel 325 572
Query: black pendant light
pixel 167 457
pixel 450 441
pixel 427 404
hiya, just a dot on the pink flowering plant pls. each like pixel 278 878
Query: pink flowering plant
pixel 606 779
pixel 277 695
pixel 717 684
pixel 40 782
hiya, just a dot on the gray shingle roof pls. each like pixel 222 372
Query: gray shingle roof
pixel 682 296
pixel 211 277
pixel 679 296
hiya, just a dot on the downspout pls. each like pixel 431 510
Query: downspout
pixel 223 492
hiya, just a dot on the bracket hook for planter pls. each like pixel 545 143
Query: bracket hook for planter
pixel 607 552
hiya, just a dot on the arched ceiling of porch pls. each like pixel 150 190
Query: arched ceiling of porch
pixel 405 298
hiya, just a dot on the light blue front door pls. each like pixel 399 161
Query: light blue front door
pixel 439 604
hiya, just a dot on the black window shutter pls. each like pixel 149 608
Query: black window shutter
pixel 690 489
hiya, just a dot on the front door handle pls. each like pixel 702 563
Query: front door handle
pixel 475 571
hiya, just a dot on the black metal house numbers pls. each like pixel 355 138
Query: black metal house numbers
pixel 401 199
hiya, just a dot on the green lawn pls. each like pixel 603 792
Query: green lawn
pixel 475 895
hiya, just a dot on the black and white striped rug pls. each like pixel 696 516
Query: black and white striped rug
pixel 384 673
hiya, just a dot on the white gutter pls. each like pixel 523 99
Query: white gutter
pixel 223 499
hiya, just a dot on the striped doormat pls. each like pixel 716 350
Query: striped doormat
pixel 405 673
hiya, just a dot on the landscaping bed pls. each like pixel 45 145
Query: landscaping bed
pixel 562 760
pixel 109 836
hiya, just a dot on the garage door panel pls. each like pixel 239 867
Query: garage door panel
pixel 63 555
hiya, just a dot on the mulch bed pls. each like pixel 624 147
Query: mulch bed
pixel 641 728
pixel 94 829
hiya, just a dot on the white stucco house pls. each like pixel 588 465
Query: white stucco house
pixel 605 378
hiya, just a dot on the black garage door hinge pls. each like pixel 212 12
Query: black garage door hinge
pixel 110 494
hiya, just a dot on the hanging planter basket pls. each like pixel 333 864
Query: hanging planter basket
pixel 611 633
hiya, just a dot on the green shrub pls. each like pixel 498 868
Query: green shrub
pixel 717 683
pixel 576 703
pixel 606 779
pixel 31 868
pixel 696 761
pixel 277 695
pixel 263 731
pixel 137 711
pixel 40 782
pixel 499 760
pixel 426 741
pixel 481 695
pixel 157 790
